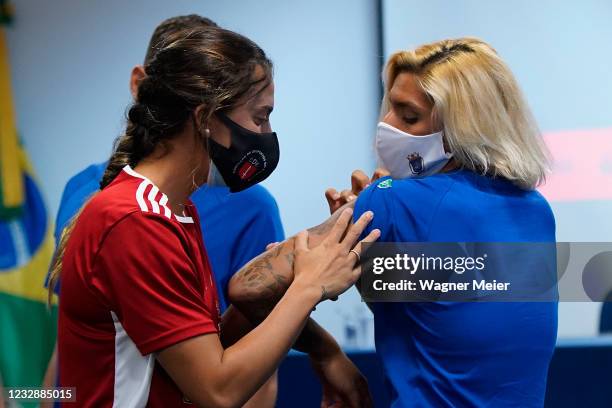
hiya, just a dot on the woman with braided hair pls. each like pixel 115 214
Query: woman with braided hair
pixel 139 320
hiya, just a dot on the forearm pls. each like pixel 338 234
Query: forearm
pixel 220 377
pixel 266 396
pixel 316 341
pixel 276 335
pixel 234 326
pixel 261 283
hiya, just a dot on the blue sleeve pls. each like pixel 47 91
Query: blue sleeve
pixel 64 213
pixel 266 227
pixel 375 198
pixel 403 209
pixel 77 190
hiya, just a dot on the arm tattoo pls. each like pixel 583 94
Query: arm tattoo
pixel 261 283
pixel 260 273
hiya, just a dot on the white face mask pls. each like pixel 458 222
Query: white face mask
pixel 406 155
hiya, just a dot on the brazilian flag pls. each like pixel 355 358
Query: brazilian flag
pixel 27 325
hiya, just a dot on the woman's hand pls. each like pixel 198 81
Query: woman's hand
pixel 332 265
pixel 359 182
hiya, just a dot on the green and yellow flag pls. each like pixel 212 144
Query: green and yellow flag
pixel 27 326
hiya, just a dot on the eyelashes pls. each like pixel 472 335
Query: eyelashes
pixel 260 121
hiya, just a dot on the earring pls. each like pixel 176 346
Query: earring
pixel 207 133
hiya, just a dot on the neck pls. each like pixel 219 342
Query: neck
pixel 177 169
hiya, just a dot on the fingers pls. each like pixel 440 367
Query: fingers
pixel 333 199
pixel 371 237
pixel 379 173
pixel 301 241
pixel 332 194
pixel 359 181
pixel 356 229
pixel 271 245
pixel 347 196
pixel 340 226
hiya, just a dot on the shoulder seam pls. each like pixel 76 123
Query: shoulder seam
pixel 121 219
pixel 158 206
pixel 109 229
pixel 435 212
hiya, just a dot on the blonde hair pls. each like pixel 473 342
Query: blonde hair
pixel 487 123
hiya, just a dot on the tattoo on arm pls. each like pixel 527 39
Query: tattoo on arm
pixel 260 284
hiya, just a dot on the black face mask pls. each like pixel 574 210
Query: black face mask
pixel 250 159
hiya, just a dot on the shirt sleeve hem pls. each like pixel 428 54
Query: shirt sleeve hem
pixel 176 336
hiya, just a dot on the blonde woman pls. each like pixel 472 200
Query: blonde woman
pixel 464 155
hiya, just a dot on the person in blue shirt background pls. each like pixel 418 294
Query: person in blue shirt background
pixel 254 212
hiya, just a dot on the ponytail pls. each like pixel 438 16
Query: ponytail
pixel 57 262
pixel 119 159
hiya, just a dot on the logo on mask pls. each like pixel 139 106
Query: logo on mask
pixel 416 162
pixel 250 158
pixel 251 164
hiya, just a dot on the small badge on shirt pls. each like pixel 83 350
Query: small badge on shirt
pixel 385 184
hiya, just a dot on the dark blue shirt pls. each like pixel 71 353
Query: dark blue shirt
pixel 451 354
pixel 236 227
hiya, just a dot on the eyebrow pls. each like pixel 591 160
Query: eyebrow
pixel 405 104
